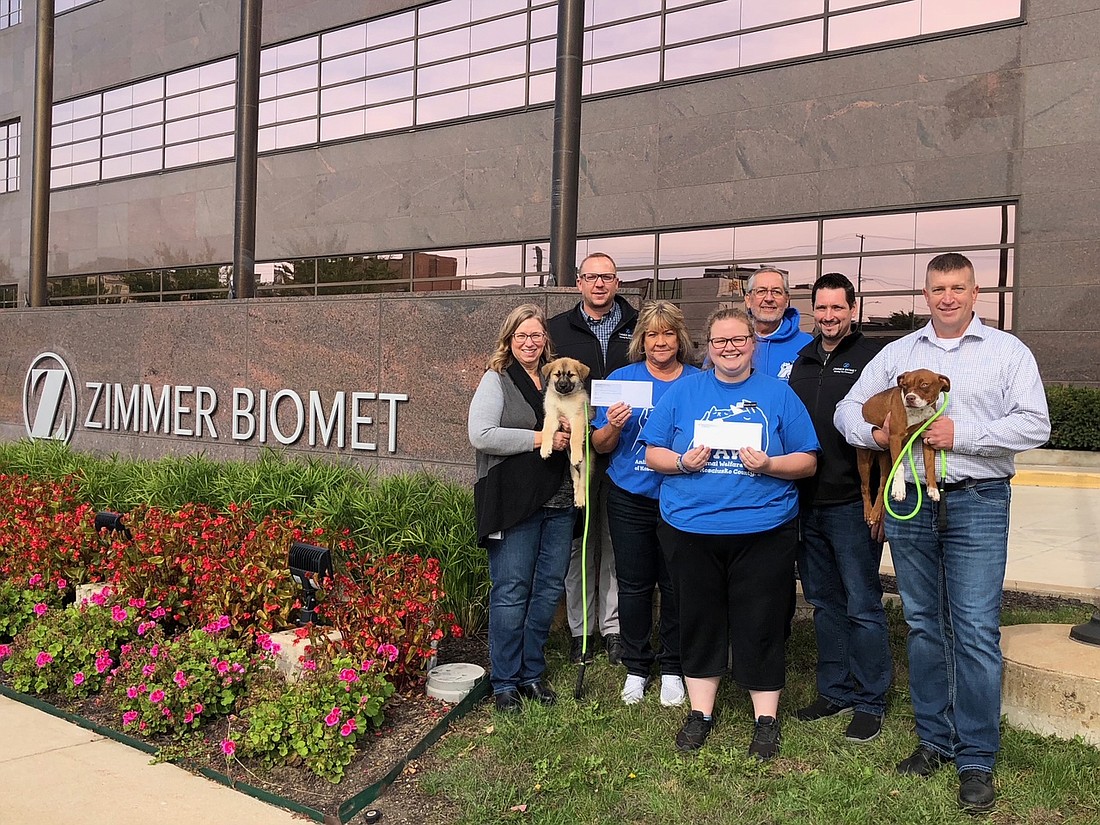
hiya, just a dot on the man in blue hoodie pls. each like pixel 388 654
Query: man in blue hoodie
pixel 778 336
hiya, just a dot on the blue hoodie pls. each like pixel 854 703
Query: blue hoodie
pixel 776 354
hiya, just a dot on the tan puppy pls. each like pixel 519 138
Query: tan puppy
pixel 910 404
pixel 567 398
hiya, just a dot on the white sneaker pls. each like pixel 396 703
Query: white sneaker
pixel 672 691
pixel 634 689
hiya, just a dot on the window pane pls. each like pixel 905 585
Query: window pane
pixel 544 22
pixel 217 148
pixel 442 46
pixel 874 25
pixel 959 227
pixel 352 67
pixel 443 76
pixel 713 20
pixel 390 87
pixel 697 245
pixel 626 37
pixel 496 97
pixel 393 116
pixel 296 52
pixel 348 124
pixel 342 41
pixel 779 44
pixel 605 11
pixel 495 65
pixel 775 241
pixel 443 15
pixel 761 14
pixel 943 15
pixel 350 96
pixel 296 80
pixel 295 134
pixel 543 55
pixel 214 74
pixel 442 107
pixel 389 29
pixel 480 9
pixel 879 232
pixel 181 106
pixel 184 155
pixel 297 106
pixel 626 72
pixel 540 88
pixel 626 250
pixel 222 97
pixel 390 58
pixel 148 90
pixel 496 33
pixel 182 130
pixel 703 58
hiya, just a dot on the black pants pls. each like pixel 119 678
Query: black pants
pixel 734 595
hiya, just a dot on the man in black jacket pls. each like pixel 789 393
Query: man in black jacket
pixel 839 558
pixel 597 332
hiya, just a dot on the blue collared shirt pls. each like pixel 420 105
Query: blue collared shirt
pixel 603 327
pixel 997 401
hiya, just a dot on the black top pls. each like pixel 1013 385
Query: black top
pixel 573 338
pixel 822 379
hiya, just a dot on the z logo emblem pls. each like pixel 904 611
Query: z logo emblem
pixel 49 399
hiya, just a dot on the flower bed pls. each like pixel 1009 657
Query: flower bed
pixel 178 644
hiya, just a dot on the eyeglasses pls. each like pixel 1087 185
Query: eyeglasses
pixel 737 340
pixel 764 292
pixel 592 277
pixel 523 337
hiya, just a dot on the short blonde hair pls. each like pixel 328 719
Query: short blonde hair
pixel 655 316
pixel 502 355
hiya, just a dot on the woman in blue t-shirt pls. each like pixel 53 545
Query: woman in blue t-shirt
pixel 730 444
pixel 660 351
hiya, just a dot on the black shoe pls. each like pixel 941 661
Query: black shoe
pixel 765 739
pixel 976 794
pixel 508 701
pixel 538 692
pixel 923 762
pixel 864 727
pixel 575 650
pixel 694 733
pixel 821 708
pixel 614 644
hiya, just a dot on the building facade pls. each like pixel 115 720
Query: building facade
pixel 406 146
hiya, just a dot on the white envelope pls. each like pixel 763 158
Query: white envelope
pixel 728 435
pixel 637 394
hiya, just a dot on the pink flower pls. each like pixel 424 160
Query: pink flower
pixel 34 580
pixel 348 675
pixel 166 711
pixel 100 598
pixel 158 613
pixel 40 609
pixel 5 651
pixel 42 659
pixel 132 692
pixel 229 747
pixel 333 717
pixel 119 614
pixel 61 584
pixel 156 696
pixel 148 671
pixel 198 708
pixel 102 662
pixel 180 679
pixel 138 603
pixel 129 717
pixel 367 665
pixel 389 651
pixel 348 727
pixel 309 664
pixel 145 627
pixel 78 678
pixel 223 623
pixel 223 667
pixel 188 718
pixel 154 651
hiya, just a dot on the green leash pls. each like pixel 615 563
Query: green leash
pixel 578 691
pixel 908 451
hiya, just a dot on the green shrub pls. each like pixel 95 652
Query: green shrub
pixel 1074 417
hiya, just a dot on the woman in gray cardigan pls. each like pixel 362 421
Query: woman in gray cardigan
pixel 524 508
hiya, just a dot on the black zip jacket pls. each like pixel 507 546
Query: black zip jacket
pixel 822 384
pixel 573 338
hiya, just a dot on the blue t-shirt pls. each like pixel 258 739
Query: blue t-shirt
pixel 724 498
pixel 627 469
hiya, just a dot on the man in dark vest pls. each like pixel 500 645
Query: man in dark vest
pixel 597 332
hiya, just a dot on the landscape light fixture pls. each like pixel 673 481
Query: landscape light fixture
pixel 309 567
pixel 112 523
pixel 1089 632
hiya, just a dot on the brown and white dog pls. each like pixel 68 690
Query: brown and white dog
pixel 567 398
pixel 910 404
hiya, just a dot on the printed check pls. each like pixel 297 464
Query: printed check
pixel 637 394
pixel 728 435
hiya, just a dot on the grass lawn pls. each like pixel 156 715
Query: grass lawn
pixel 599 761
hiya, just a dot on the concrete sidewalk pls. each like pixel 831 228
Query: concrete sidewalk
pixel 54 772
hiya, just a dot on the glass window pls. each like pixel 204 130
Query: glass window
pixel 437 16
pixel 709 21
pixel 342 41
pixel 443 76
pixel 699 245
pixel 388 29
pixel 626 250
pixel 494 97
pixel 443 46
pixel 11 13
pixel 871 233
pixel 756 13
pixel 703 58
pixel 503 32
pixel 352 67
pixel 775 241
pixel 769 45
pixel 607 11
pixel 624 38
pixel 639 70
pixel 540 88
pixel 390 58
pixel 495 65
pixel 544 55
pixel 339 98
pixel 875 25
pixel 959 227
pixel 389 87
pixel 348 124
pixel 442 107
pixel 392 116
pixel 544 22
pixel 9 156
pixel 481 9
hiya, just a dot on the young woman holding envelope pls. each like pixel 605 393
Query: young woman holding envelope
pixel 730 444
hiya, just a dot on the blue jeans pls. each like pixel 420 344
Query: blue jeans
pixel 950 583
pixel 838 563
pixel 527 568
pixel 641 567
